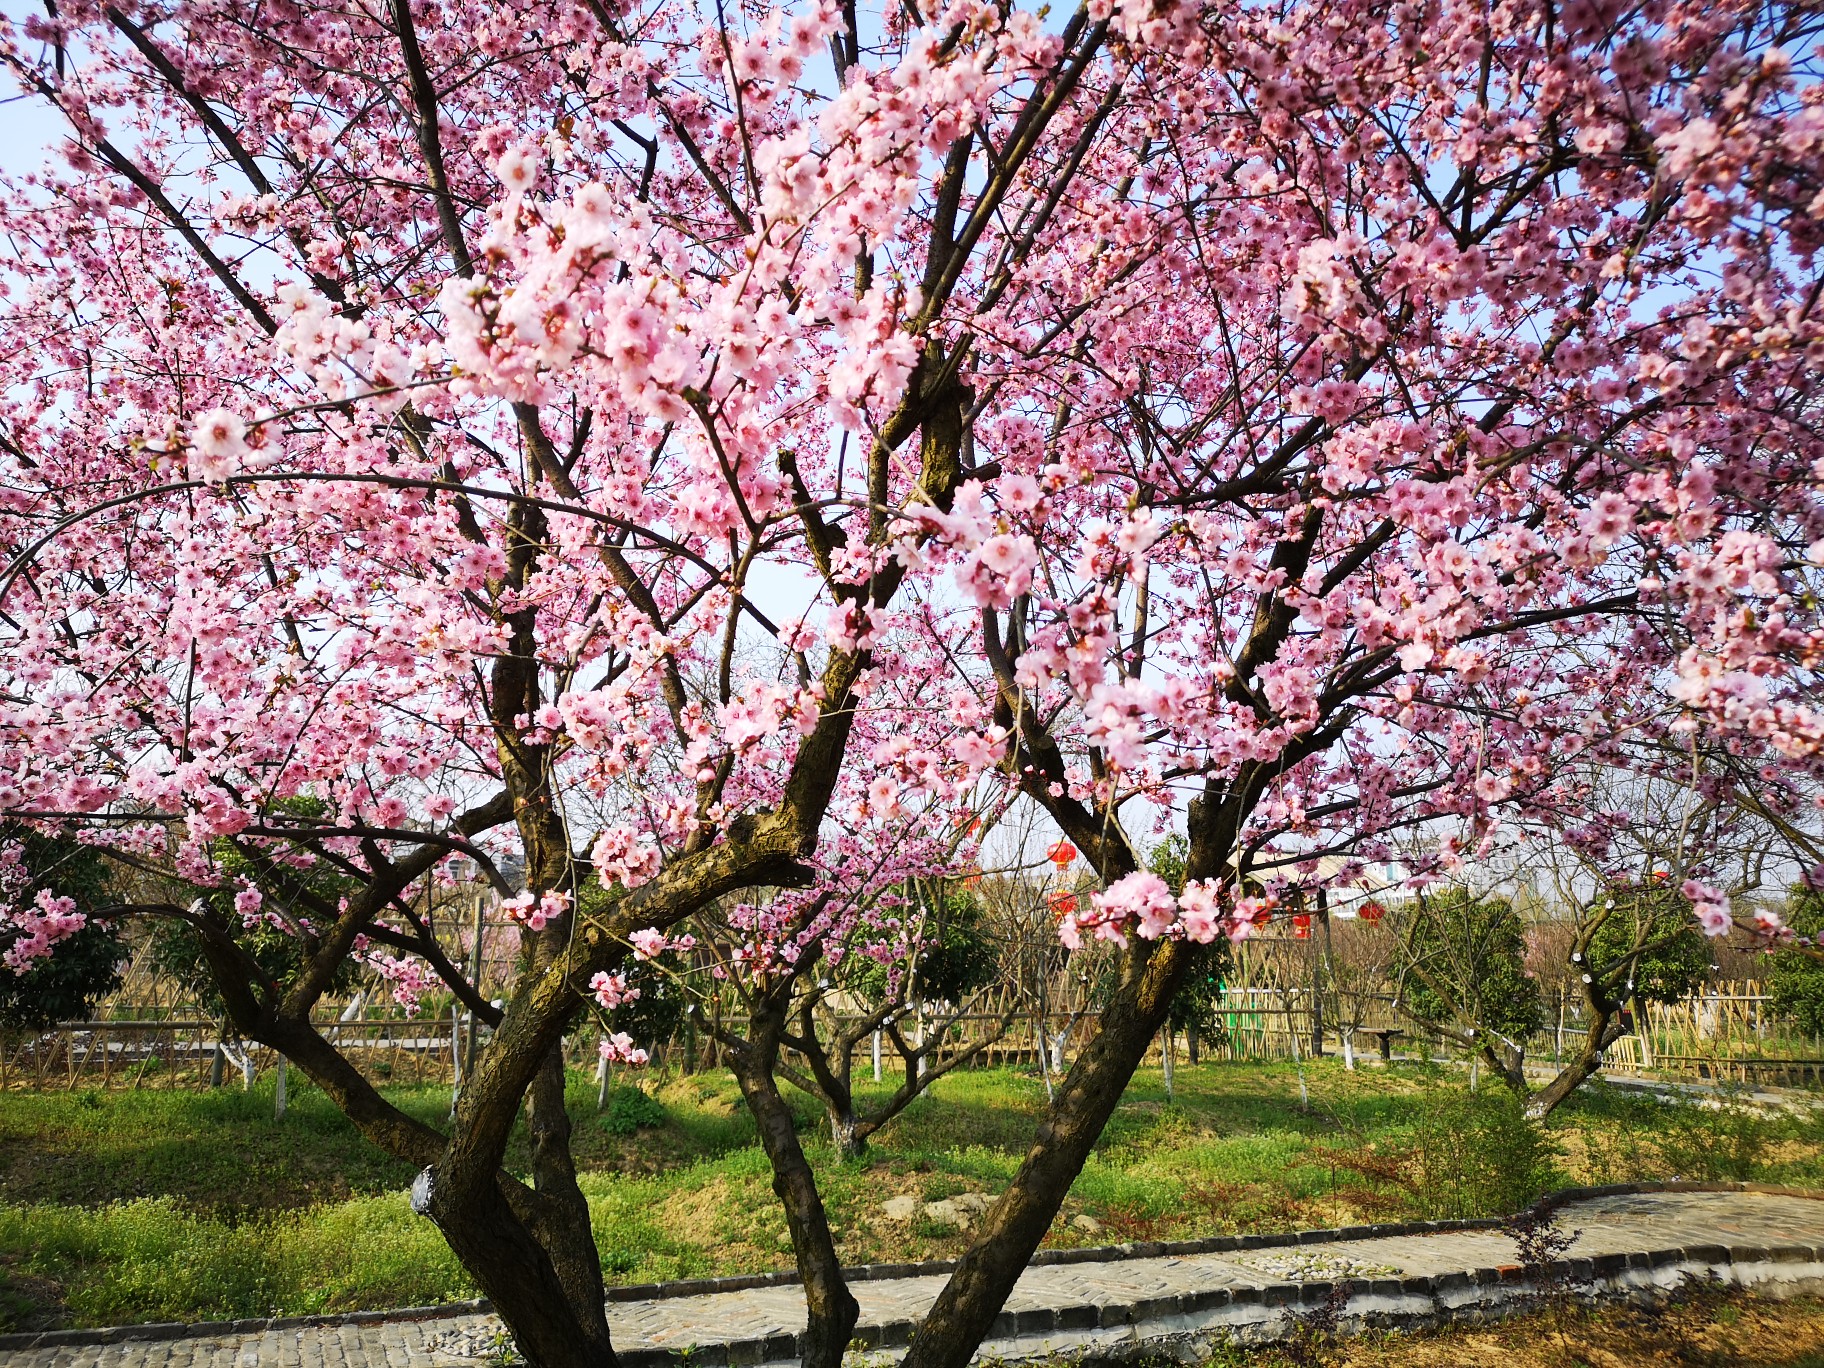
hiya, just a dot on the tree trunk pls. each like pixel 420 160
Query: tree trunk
pixel 843 1134
pixel 831 1309
pixel 1603 1031
pixel 1014 1226
pixel 516 1272
pixel 563 1225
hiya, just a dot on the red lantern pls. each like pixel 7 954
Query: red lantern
pixel 1061 854
pixel 1301 926
pixel 1372 912
pixel 1061 904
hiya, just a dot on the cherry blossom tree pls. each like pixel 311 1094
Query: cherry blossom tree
pixel 551 428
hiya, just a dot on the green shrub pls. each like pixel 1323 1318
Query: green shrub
pixel 1797 982
pixel 86 968
pixel 1726 1142
pixel 1474 1155
pixel 629 1109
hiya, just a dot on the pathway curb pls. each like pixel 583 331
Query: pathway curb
pixel 1014 1333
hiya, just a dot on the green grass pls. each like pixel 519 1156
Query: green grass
pixel 180 1206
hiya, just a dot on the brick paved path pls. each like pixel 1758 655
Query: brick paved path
pixel 1743 1236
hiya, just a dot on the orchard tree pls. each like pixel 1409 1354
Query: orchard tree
pixel 1622 881
pixel 638 440
pixel 1465 953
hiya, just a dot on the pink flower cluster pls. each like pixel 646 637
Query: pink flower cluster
pixel 410 978
pixel 624 856
pixel 1711 905
pixel 620 1049
pixel 611 991
pixel 1141 904
pixel 37 927
pixel 650 943
pixel 535 913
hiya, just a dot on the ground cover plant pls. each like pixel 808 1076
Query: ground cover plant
pixel 102 1219
pixel 1702 1327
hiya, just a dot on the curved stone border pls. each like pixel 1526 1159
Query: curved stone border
pixel 1191 1329
pixel 1022 1325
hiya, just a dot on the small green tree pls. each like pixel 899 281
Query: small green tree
pixel 1653 913
pixel 86 968
pixel 957 958
pixel 297 895
pixel 1467 956
pixel 1797 981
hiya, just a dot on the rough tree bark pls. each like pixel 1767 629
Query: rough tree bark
pixel 831 1309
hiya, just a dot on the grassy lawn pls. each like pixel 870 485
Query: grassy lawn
pixel 178 1206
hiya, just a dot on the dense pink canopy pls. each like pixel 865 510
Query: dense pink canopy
pixel 1361 411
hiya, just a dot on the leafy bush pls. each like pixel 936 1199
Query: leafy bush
pixel 1726 1142
pixel 629 1109
pixel 1475 1155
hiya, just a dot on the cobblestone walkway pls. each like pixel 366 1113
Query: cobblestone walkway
pixel 1061 1305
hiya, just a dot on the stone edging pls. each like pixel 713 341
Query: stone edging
pixel 1007 1324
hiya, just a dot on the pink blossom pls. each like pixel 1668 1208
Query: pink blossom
pixel 620 854
pixel 1200 911
pixel 218 446
pixel 40 926
pixel 1141 899
pixel 620 1049
pixel 1771 925
pixel 518 169
pixel 611 990
pixel 247 904
pixel 1711 906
